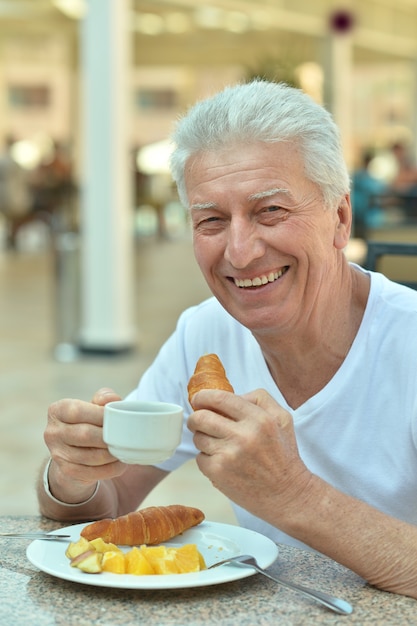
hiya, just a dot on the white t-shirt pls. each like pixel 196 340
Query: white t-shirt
pixel 359 433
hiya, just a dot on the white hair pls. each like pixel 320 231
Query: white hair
pixel 268 112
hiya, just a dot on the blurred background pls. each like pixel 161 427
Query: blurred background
pixel 95 251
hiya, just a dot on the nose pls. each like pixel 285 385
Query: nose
pixel 244 244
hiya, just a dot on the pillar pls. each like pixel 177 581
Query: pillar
pixel 107 237
pixel 338 75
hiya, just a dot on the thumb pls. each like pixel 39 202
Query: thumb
pixel 261 398
pixel 105 395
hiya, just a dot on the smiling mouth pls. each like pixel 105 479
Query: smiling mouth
pixel 259 280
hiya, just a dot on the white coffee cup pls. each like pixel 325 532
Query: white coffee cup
pixel 141 432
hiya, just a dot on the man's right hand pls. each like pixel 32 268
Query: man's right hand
pixel 79 455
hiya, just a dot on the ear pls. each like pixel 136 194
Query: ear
pixel 343 223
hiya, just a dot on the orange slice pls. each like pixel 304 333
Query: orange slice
pixel 136 563
pixel 187 558
pixel 161 560
pixel 113 561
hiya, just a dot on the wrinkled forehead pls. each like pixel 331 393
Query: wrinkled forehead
pixel 248 172
pixel 262 152
pixel 279 158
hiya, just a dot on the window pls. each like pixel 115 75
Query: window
pixel 28 96
pixel 155 99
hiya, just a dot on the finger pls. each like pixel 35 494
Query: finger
pixel 81 435
pixel 235 406
pixel 105 395
pixel 78 443
pixel 209 423
pixel 75 412
pixel 87 456
pixel 222 402
pixel 262 399
pixel 207 445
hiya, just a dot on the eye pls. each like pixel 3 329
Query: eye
pixel 213 218
pixel 272 213
pixel 207 223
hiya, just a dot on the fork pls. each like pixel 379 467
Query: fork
pixel 335 604
pixel 34 535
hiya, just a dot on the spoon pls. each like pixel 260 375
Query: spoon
pixel 335 604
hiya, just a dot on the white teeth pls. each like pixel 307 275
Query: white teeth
pixel 259 280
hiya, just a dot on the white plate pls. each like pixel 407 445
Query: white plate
pixel 215 542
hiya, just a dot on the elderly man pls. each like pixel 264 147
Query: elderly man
pixel 317 446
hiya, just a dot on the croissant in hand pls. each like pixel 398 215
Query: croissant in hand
pixel 149 526
pixel 209 373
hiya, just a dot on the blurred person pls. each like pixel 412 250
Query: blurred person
pixel 15 195
pixel 317 447
pixel 404 185
pixel 405 180
pixel 149 193
pixel 367 211
pixel 52 181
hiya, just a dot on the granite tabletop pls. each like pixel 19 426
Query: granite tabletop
pixel 29 596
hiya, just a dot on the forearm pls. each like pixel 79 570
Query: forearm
pixel 380 548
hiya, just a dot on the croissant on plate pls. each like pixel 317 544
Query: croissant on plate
pixel 149 526
pixel 209 373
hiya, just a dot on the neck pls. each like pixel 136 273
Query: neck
pixel 303 361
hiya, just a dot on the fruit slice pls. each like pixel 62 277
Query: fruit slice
pixel 101 546
pixel 77 547
pixel 97 555
pixel 186 558
pixel 161 560
pixel 136 563
pixel 201 561
pixel 89 562
pixel 114 562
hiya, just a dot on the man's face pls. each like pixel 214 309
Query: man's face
pixel 262 237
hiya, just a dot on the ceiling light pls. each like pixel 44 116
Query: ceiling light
pixel 209 17
pixel 76 9
pixel 149 24
pixel 26 154
pixel 154 158
pixel 177 22
pixel 261 20
pixel 236 22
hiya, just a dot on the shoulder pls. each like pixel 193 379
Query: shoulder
pixel 391 316
pixel 386 291
pixel 393 295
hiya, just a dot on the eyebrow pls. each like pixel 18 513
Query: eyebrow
pixel 203 205
pixel 267 193
pixel 259 195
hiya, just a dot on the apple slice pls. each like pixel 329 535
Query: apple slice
pixel 77 547
pixel 89 562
